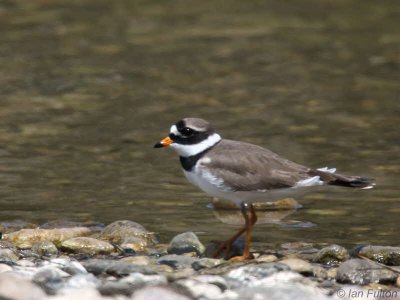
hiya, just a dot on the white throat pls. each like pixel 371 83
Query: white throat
pixel 190 150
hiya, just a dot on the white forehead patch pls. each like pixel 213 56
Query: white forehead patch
pixel 174 130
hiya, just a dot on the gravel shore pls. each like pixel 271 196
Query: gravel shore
pixel 66 260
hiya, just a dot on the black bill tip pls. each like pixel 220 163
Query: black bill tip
pixel 158 145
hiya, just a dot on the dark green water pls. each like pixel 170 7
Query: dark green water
pixel 87 87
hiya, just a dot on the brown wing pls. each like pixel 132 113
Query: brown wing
pixel 247 167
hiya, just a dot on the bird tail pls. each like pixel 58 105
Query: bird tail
pixel 330 178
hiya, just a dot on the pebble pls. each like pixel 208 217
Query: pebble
pixel 50 279
pixel 362 272
pixel 16 287
pixel 177 261
pixel 114 267
pixel 138 260
pixel 184 243
pixel 82 281
pixel 199 289
pixel 68 266
pixel 384 254
pixel 266 258
pixel 120 231
pixel 299 265
pixel 5 268
pixel 8 256
pixel 174 270
pixel 87 293
pixel 140 279
pixel 206 263
pixel 26 238
pixel 332 255
pixel 87 245
pixel 251 274
pixel 45 248
pixel 157 293
pixel 134 244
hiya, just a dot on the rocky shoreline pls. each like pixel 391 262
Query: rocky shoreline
pixel 66 260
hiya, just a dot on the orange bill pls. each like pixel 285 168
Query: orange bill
pixel 164 142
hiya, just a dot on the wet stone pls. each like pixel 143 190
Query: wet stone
pixel 82 281
pixel 114 267
pixel 120 231
pixel 138 279
pixel 177 261
pixel 205 263
pixel 50 279
pixel 247 274
pixel 138 260
pixel 383 254
pixel 45 248
pixel 362 272
pixel 5 268
pixel 110 288
pixel 199 289
pixel 16 287
pixel 282 291
pixel 69 266
pixel 217 280
pixel 8 256
pixel 299 265
pixel 25 238
pixel 134 244
pixel 159 292
pixel 184 243
pixel 87 245
pixel 332 255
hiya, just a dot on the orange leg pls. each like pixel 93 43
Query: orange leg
pixel 249 222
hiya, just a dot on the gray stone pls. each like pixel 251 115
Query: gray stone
pixel 45 248
pixel 50 279
pixel 332 255
pixel 114 267
pixel 199 289
pixel 204 263
pixel 298 265
pixel 177 261
pixel 15 287
pixel 384 254
pixel 111 288
pixel 139 260
pixel 88 293
pixel 219 281
pixel 138 279
pixel 184 243
pixel 245 275
pixel 5 268
pixel 87 245
pixel 281 291
pixel 304 267
pixel 71 267
pixel 360 271
pixel 157 293
pixel 82 281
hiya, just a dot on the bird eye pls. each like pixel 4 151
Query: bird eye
pixel 187 131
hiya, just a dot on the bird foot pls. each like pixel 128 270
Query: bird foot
pixel 241 258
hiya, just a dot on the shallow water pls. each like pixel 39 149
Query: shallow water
pixel 87 87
